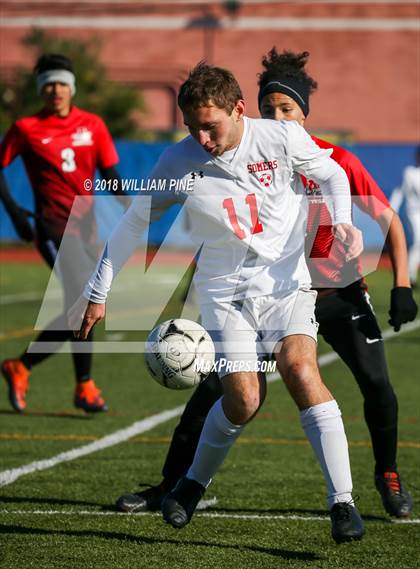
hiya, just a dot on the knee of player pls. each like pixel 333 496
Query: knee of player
pixel 302 371
pixel 249 405
pixel 243 406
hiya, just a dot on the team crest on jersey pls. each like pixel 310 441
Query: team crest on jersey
pixel 265 179
pixel 82 137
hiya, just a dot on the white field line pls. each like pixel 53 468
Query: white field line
pixel 5 299
pixel 25 297
pixel 245 517
pixel 11 475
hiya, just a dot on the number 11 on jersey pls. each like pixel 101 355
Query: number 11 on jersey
pixel 256 225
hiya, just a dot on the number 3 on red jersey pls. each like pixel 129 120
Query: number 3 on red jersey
pixel 68 164
pixel 256 225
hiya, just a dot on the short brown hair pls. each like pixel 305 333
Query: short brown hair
pixel 206 83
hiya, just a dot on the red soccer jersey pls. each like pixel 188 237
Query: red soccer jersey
pixel 59 155
pixel 326 256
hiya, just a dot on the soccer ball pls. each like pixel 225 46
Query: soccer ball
pixel 179 353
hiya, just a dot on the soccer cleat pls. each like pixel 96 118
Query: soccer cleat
pixel 180 504
pixel 17 376
pixel 148 500
pixel 396 499
pixel 88 397
pixel 347 525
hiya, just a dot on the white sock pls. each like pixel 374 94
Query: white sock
pixel 325 430
pixel 217 437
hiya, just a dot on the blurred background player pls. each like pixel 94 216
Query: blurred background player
pixel 347 321
pixel 409 191
pixel 61 147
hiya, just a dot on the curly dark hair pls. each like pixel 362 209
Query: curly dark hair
pixel 287 64
pixel 206 83
pixel 49 61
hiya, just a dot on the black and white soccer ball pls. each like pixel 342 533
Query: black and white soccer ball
pixel 179 353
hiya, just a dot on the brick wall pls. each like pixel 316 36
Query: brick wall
pixel 364 55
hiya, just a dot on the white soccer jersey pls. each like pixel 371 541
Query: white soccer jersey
pixel 245 211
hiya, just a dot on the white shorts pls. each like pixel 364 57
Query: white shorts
pixel 247 331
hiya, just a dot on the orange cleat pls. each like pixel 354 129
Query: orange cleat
pixel 17 376
pixel 88 397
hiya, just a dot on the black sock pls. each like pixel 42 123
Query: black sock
pixel 55 337
pixel 82 361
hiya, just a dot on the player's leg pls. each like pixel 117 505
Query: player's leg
pixel 182 448
pixel 77 262
pixel 243 394
pixel 87 395
pixel 357 339
pixel 16 371
pixel 321 420
pixel 187 433
pixel 319 413
pixel 233 327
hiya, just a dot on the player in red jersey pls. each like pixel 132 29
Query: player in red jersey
pixel 346 319
pixel 61 147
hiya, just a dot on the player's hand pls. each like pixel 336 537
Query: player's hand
pixel 403 307
pixel 83 316
pixel 23 228
pixel 351 237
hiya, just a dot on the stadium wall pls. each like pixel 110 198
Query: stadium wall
pixel 364 54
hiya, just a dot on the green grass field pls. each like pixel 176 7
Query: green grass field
pixel 270 510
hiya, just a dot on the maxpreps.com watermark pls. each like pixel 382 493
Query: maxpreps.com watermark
pixel 133 185
pixel 232 366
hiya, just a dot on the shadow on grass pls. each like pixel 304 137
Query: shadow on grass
pixel 53 414
pixel 275 552
pixel 49 501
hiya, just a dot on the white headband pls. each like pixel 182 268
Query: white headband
pixel 56 76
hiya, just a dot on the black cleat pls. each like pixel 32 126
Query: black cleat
pixel 149 500
pixel 180 504
pixel 396 499
pixel 347 525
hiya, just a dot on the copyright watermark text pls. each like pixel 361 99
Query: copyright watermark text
pixel 131 185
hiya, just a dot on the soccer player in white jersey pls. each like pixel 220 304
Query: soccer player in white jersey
pixel 409 191
pixel 252 281
pixel 343 309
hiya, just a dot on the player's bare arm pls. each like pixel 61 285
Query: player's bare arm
pixel 403 307
pixel 393 231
